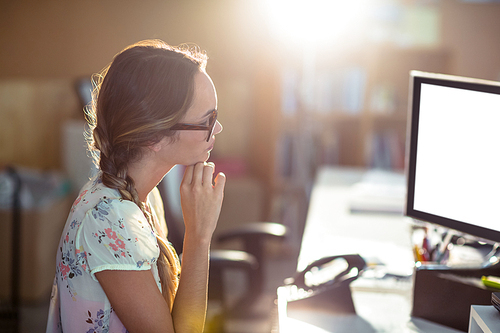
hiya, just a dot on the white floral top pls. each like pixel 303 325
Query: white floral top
pixel 102 232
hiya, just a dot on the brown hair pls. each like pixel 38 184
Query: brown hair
pixel 136 99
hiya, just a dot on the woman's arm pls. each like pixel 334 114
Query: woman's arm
pixel 201 205
pixel 135 296
pixel 137 301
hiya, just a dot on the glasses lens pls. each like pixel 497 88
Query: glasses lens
pixel 211 124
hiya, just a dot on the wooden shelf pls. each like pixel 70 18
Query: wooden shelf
pixel 367 133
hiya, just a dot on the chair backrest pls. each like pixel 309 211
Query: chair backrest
pixel 170 192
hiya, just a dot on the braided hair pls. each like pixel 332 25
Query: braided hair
pixel 136 99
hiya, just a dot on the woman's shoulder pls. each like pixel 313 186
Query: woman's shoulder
pixel 96 198
pixel 101 210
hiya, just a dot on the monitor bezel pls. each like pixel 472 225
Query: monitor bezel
pixel 418 78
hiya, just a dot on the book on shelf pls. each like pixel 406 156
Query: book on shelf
pixel 386 150
pixel 339 90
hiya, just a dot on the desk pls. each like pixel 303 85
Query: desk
pixel 382 305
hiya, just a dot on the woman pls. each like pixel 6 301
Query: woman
pixel 155 107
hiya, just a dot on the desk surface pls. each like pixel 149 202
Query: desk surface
pixel 332 229
pixel 382 305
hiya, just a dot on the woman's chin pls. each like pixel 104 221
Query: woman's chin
pixel 202 159
pixel 207 156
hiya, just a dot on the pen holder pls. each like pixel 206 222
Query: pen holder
pixel 444 295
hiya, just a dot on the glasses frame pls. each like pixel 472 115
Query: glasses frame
pixel 193 127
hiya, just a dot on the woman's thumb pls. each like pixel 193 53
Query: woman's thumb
pixel 220 182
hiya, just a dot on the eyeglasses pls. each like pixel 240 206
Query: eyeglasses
pixel 192 127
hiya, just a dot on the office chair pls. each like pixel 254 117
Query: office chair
pixel 249 261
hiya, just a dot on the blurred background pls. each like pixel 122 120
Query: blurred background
pixel 301 84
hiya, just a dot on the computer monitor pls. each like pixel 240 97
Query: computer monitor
pixel 453 153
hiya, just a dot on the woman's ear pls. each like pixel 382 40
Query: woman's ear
pixel 156 147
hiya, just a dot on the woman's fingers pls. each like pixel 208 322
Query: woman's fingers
pixel 198 173
pixel 188 175
pixel 201 199
pixel 208 171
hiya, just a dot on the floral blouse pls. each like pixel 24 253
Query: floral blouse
pixel 102 232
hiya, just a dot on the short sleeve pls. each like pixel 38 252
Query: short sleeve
pixel 115 235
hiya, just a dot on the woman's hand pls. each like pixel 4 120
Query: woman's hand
pixel 201 199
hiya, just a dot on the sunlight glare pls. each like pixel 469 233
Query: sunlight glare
pixel 314 21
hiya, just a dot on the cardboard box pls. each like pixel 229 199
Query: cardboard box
pixel 40 233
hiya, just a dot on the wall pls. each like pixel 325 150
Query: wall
pixel 32 113
pixel 47 44
pixel 470 33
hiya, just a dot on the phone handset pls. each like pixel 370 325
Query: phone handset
pixel 328 272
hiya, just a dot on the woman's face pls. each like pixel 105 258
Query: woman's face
pixel 191 146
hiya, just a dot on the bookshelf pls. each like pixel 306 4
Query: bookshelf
pixel 347 110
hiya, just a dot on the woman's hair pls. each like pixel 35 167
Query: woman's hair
pixel 136 99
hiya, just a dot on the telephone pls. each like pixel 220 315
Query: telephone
pixel 324 284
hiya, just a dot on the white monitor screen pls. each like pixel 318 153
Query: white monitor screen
pixel 454 160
